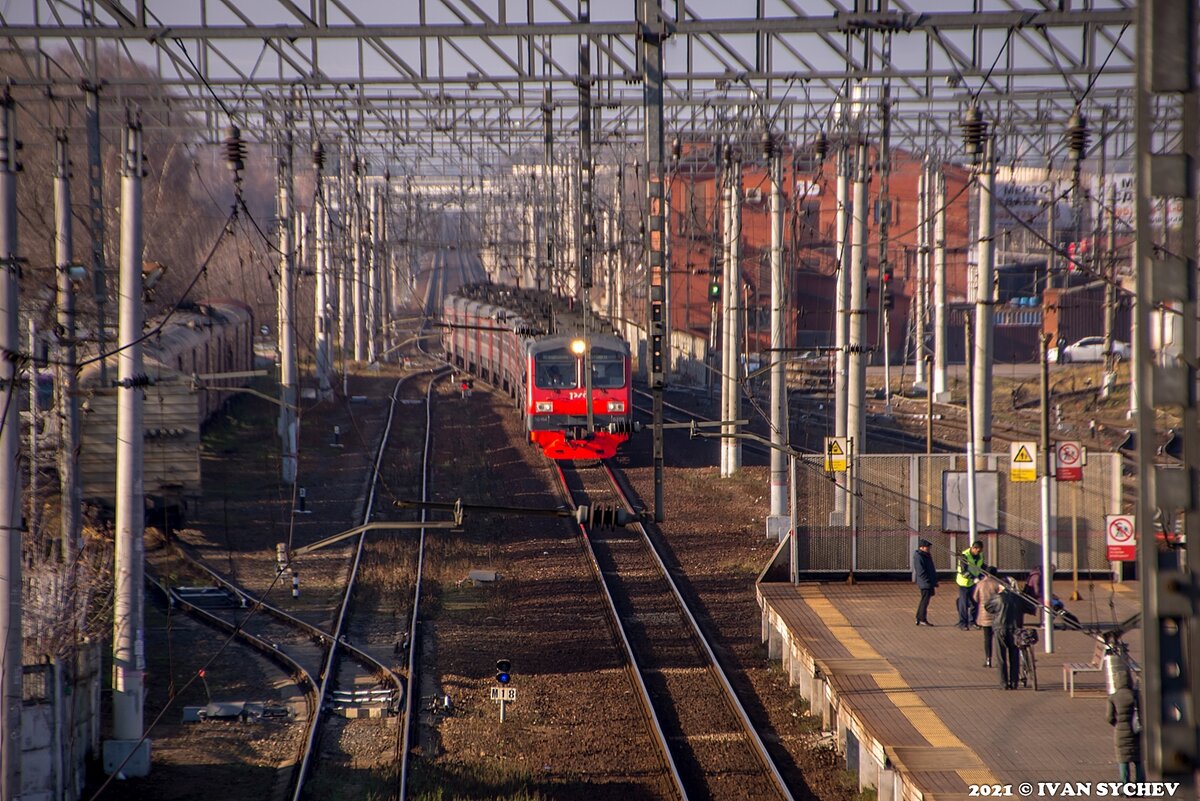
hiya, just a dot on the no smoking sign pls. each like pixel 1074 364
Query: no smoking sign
pixel 1120 538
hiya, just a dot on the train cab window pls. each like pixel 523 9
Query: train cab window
pixel 555 369
pixel 608 369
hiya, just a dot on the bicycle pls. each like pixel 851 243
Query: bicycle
pixel 1026 638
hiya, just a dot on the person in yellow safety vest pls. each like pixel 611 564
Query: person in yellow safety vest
pixel 970 569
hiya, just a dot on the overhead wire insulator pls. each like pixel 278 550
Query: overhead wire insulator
pixel 767 143
pixel 821 146
pixel 676 148
pixel 318 155
pixel 974 131
pixel 1077 136
pixel 235 149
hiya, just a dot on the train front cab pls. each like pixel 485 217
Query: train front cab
pixel 556 413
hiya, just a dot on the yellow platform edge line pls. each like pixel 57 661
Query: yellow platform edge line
pixel 898 691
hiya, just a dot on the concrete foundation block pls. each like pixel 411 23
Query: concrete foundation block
pixel 135 754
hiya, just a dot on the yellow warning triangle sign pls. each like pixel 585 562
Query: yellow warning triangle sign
pixel 1023 455
pixel 835 448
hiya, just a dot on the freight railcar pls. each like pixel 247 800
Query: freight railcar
pixel 206 338
pixel 546 357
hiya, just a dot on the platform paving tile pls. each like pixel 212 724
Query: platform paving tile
pixel 938 693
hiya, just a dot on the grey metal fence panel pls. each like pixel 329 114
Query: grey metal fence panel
pixel 899 497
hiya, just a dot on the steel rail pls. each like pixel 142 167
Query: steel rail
pixel 299 674
pixel 902 439
pixel 731 696
pixel 414 624
pixel 331 656
pixel 633 668
pixel 252 600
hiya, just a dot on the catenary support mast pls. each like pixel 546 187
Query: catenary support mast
pixel 129 656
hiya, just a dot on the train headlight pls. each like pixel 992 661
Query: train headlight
pixel 616 406
pixel 543 406
pixel 578 346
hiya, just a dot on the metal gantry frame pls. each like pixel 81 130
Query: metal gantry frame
pixel 444 87
pixel 440 67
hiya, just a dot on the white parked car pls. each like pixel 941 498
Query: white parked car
pixel 1088 349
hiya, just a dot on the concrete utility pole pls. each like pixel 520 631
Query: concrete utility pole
pixel 546 272
pixel 129 655
pixel 619 245
pixel 358 281
pixel 921 296
pixel 726 294
pixel 321 268
pixel 374 268
pixel 1047 524
pixel 288 378
pixel 91 94
pixel 653 33
pixel 1052 235
pixel 584 222
pixel 387 264
pixel 856 417
pixel 341 270
pixel 32 523
pixel 939 288
pixel 884 221
pixel 730 391
pixel 779 508
pixel 984 302
pixel 68 403
pixel 842 320
pixel 11 669
pixel 1109 381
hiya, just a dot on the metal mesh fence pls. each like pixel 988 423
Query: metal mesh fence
pixel 900 498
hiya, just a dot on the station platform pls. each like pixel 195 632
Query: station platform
pixel 914 711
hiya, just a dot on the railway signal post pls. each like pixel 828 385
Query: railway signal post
pixel 653 34
pixel 503 693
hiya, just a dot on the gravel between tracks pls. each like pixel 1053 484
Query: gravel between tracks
pixel 576 730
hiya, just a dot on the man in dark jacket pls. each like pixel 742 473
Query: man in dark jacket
pixel 925 575
pixel 1008 610
pixel 1122 710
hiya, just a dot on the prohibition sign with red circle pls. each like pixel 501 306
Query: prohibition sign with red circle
pixel 1070 462
pixel 1121 544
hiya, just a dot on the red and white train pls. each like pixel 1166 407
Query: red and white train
pixel 546 359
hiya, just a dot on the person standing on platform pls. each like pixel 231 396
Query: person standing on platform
pixel 970 568
pixel 1125 714
pixel 985 591
pixel 925 575
pixel 1008 610
pixel 1033 584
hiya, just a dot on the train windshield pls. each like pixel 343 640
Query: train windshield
pixel 608 369
pixel 555 369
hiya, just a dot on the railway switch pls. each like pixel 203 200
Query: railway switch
pixel 602 517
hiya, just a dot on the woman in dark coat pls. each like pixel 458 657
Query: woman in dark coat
pixel 1123 708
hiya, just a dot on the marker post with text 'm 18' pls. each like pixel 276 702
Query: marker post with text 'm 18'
pixel 503 693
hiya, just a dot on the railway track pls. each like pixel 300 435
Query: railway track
pixel 339 666
pixel 353 623
pixel 709 745
pixel 809 418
